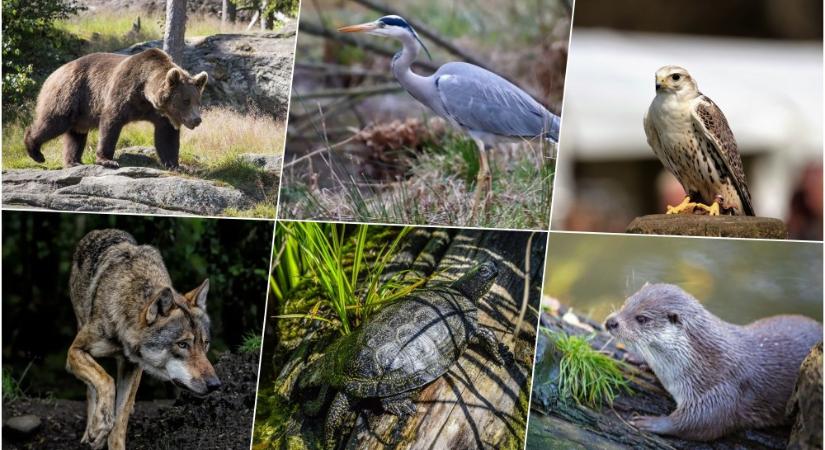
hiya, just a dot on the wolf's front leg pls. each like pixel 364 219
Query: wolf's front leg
pixel 102 389
pixel 128 380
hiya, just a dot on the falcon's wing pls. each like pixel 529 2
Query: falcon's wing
pixel 480 100
pixel 710 121
pixel 652 135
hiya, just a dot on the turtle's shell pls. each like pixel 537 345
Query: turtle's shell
pixel 405 345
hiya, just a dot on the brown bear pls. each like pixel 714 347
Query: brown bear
pixel 107 91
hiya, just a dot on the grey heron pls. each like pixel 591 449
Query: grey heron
pixel 488 107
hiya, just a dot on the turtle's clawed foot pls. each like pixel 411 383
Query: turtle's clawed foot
pixel 686 207
pixel 401 407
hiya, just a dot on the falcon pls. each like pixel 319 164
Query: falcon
pixel 691 137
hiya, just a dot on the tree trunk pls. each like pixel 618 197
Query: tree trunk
pixel 266 17
pixel 175 29
pixel 227 12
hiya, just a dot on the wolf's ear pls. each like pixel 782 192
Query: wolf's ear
pixel 161 305
pixel 197 296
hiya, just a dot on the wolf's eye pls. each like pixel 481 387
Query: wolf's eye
pixel 183 345
pixel 675 77
pixel 642 319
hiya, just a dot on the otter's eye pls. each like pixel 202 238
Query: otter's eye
pixel 183 345
pixel 675 77
pixel 642 319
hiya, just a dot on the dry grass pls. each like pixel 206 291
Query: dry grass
pixel 108 31
pixel 224 134
pixel 438 189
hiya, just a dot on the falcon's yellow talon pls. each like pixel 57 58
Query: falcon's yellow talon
pixel 712 210
pixel 685 207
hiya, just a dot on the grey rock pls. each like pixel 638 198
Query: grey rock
pixel 128 189
pixel 24 424
pixel 270 163
pixel 247 72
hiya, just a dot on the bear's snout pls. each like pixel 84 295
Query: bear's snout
pixel 192 123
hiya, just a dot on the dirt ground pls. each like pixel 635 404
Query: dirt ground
pixel 221 420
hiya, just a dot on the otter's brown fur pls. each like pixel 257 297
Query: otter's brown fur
pixel 107 91
pixel 724 377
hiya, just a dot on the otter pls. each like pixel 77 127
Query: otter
pixel 724 377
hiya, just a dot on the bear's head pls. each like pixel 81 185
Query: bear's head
pixel 179 99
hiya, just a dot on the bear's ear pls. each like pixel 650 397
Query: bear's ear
pixel 200 81
pixel 174 76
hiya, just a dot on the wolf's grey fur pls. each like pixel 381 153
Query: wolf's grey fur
pixel 126 308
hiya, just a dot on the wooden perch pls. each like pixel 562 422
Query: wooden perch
pixel 564 424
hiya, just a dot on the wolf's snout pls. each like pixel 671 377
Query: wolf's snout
pixel 213 384
pixel 611 324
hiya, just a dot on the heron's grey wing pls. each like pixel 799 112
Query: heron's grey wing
pixel 710 121
pixel 480 100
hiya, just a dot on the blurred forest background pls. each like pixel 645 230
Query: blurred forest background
pixel 738 280
pixel 38 320
pixel 361 148
pixel 759 60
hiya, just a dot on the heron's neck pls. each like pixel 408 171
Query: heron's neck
pixel 402 62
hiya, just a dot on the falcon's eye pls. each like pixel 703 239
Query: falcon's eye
pixel 675 77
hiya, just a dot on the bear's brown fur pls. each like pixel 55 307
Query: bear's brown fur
pixel 107 91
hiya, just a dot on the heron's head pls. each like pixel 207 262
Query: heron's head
pixel 392 26
pixel 675 79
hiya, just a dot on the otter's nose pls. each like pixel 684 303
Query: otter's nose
pixel 212 384
pixel 611 324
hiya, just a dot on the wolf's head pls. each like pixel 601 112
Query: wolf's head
pixel 175 338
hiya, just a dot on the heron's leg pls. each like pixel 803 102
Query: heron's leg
pixel 482 178
pixel 686 206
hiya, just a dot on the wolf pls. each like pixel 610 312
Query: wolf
pixel 127 309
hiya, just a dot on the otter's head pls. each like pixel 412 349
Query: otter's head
pixel 654 319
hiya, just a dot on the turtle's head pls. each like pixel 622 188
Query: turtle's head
pixel 475 283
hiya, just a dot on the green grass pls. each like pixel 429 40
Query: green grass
pixel 587 376
pixel 251 343
pixel 12 386
pixel 338 268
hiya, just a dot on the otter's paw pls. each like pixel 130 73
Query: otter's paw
pixel 651 424
pixel 108 163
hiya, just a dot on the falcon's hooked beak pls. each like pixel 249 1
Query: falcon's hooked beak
pixel 658 84
pixel 361 28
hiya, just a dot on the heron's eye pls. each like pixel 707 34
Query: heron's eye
pixel 381 25
pixel 675 77
pixel 642 319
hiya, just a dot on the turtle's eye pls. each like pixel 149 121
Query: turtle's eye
pixel 642 319
pixel 675 77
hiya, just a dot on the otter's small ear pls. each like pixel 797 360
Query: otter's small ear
pixel 200 81
pixel 161 305
pixel 673 318
pixel 173 76
pixel 197 296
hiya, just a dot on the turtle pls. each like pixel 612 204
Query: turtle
pixel 403 347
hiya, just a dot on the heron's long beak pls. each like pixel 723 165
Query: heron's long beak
pixel 369 26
